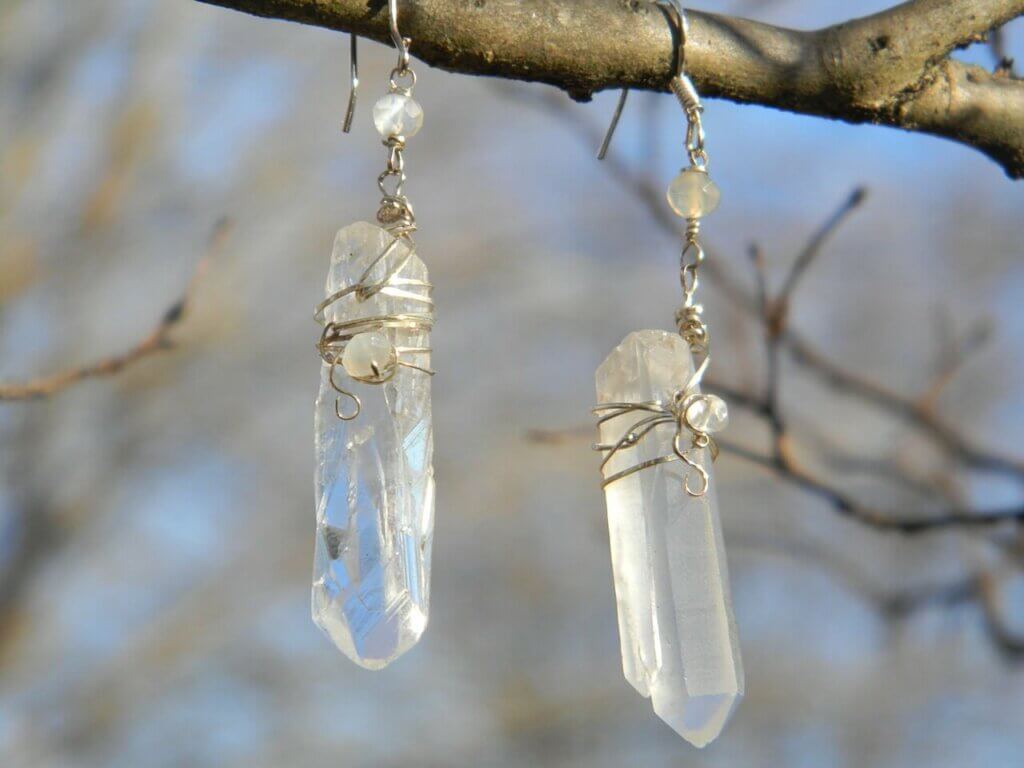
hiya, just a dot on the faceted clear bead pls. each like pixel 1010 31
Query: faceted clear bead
pixel 396 114
pixel 369 357
pixel 708 413
pixel 676 627
pixel 692 194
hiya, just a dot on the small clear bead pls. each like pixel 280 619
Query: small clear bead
pixel 396 114
pixel 693 194
pixel 369 357
pixel 708 413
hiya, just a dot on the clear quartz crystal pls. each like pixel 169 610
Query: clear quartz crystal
pixel 676 624
pixel 374 477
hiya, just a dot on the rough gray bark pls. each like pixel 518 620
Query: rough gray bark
pixel 891 68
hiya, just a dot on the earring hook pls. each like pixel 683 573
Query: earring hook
pixel 681 28
pixel 400 43
pixel 353 71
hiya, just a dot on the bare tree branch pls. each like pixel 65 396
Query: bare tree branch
pixel 157 340
pixel 891 68
pixel 910 410
pixel 811 251
pixel 916 412
pixel 780 458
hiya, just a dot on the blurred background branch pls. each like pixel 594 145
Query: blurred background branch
pixel 787 447
pixel 157 340
pixel 773 312
pixel 891 68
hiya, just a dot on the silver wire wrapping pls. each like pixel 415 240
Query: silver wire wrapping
pixel 689 440
pixel 336 335
pixel 396 215
pixel 674 413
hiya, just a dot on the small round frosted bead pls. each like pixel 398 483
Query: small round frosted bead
pixel 395 114
pixel 693 194
pixel 708 413
pixel 369 357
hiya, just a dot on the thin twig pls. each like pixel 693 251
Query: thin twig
pixel 156 341
pixel 813 248
pixel 956 356
pixel 773 322
pixel 906 409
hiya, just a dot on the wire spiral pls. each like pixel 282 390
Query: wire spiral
pixel 653 414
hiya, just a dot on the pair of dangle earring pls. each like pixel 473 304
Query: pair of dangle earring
pixel 373 423
pixel 374 445
pixel 676 627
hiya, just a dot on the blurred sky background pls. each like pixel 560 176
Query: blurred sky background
pixel 156 529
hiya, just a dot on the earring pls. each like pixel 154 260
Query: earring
pixel 374 441
pixel 676 625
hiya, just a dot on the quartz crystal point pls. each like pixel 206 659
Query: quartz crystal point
pixel 676 623
pixel 374 476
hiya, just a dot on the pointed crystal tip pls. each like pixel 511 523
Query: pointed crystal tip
pixel 700 719
pixel 371 639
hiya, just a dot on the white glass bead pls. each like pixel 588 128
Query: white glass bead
pixel 369 357
pixel 708 413
pixel 693 194
pixel 396 114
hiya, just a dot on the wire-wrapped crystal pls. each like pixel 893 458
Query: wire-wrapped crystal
pixel 374 462
pixel 676 625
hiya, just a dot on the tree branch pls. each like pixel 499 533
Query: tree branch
pixel 157 340
pixel 890 68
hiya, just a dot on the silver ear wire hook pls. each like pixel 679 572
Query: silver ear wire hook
pixel 401 43
pixel 677 16
pixel 353 68
pixel 613 124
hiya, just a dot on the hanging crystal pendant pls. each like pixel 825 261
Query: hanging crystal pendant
pixel 374 449
pixel 676 625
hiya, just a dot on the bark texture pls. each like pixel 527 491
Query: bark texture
pixel 891 68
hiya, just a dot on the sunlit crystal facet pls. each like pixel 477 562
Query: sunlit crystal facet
pixel 374 476
pixel 676 625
